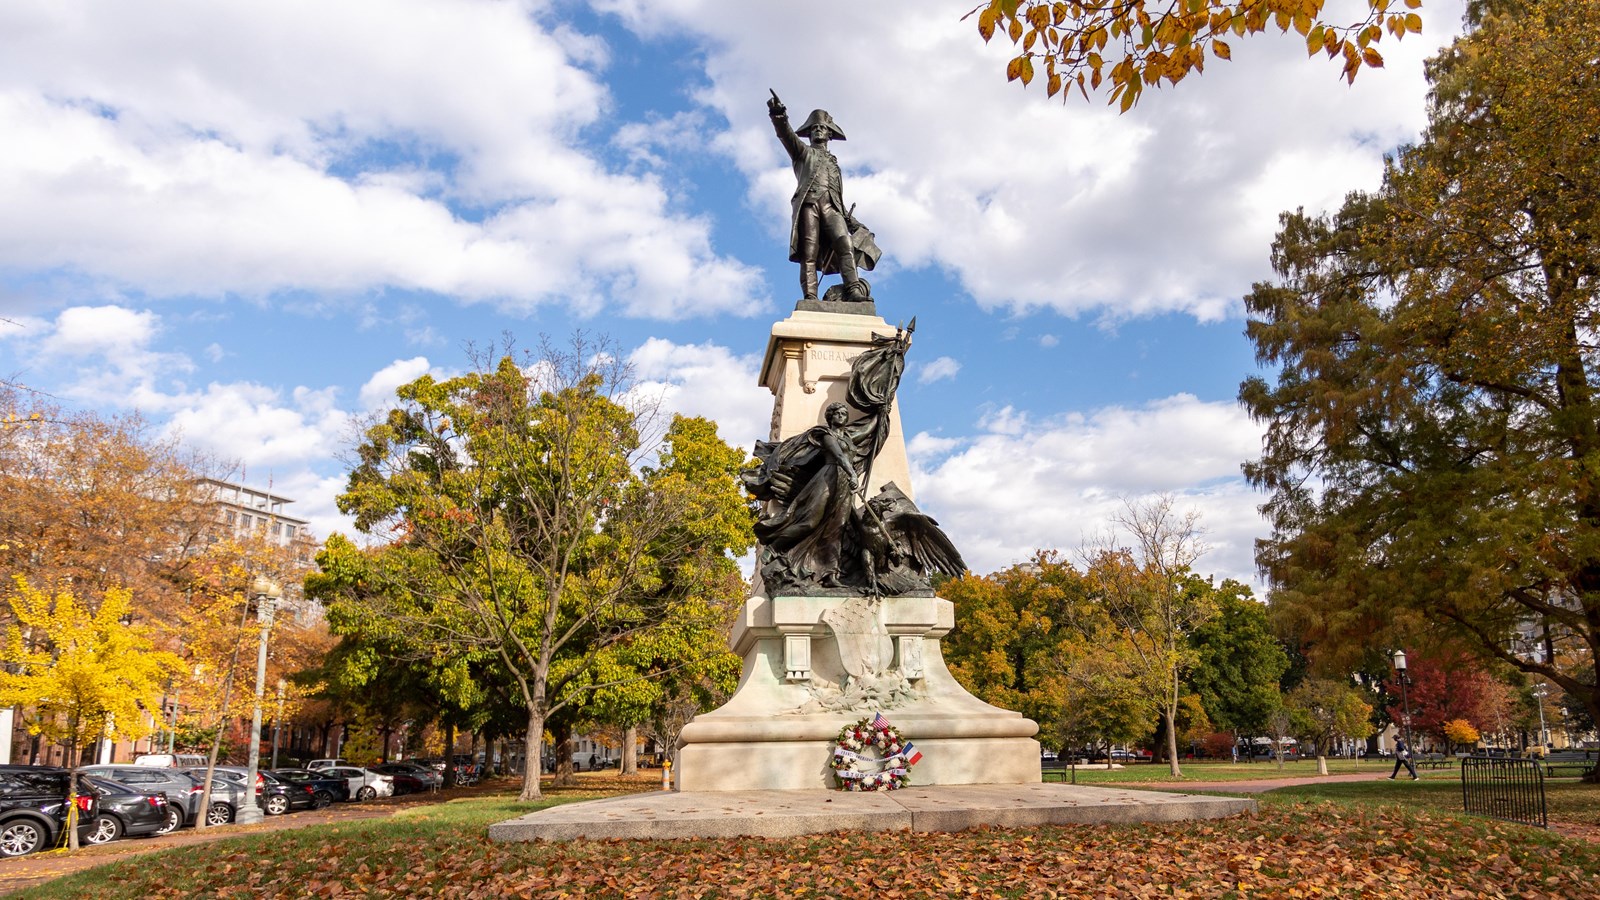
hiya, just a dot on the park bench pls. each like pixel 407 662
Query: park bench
pixel 1434 761
pixel 1060 770
pixel 1568 763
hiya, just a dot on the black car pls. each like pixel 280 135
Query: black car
pixel 407 779
pixel 324 788
pixel 125 811
pixel 272 795
pixel 33 809
pixel 283 796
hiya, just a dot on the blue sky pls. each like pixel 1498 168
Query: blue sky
pixel 250 221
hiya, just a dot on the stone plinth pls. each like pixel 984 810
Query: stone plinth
pixel 671 815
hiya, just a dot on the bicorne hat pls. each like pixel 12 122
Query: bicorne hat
pixel 819 118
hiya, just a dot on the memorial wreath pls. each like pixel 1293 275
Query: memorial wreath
pixel 871 755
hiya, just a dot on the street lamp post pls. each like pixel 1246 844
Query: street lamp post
pixel 267 592
pixel 277 723
pixel 1405 699
pixel 172 724
pixel 1544 736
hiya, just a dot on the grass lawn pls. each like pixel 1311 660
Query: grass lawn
pixel 1568 801
pixel 1207 770
pixel 1378 839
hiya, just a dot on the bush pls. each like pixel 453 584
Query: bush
pixel 1218 745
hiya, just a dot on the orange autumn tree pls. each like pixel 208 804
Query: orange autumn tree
pixel 1130 45
pixel 98 503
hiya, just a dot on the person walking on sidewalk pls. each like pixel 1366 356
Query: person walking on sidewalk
pixel 1402 757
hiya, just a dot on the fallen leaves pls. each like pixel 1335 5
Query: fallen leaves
pixel 1305 850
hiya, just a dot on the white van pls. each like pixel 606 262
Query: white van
pixel 171 760
pixel 327 763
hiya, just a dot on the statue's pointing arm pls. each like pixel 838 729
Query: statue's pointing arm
pixel 779 114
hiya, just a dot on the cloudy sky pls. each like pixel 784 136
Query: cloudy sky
pixel 250 221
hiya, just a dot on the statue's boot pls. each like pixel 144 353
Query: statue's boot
pixel 854 288
pixel 808 280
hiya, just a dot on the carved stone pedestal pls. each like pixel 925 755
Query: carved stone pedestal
pixel 777 730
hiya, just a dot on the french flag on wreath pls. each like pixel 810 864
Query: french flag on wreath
pixel 880 723
pixel 910 754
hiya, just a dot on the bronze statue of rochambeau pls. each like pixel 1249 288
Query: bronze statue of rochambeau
pixel 824 238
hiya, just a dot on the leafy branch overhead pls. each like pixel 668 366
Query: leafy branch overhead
pixel 1134 44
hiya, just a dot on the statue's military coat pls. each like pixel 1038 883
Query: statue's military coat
pixel 814 169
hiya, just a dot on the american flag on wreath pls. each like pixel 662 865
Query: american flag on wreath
pixel 880 723
pixel 910 754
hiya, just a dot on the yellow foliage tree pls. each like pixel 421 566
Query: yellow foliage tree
pixel 1460 732
pixel 83 670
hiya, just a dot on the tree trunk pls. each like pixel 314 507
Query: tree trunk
pixel 72 810
pixel 563 751
pixel 1169 716
pixel 532 738
pixel 630 751
pixel 1322 764
pixel 450 755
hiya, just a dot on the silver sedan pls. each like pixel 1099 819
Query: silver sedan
pixel 365 784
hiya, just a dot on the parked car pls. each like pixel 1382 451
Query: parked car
pixel 431 777
pixel 410 779
pixel 171 760
pixel 364 784
pixel 273 796
pixel 183 793
pixel 324 787
pixel 587 762
pixel 33 808
pixel 125 810
pixel 326 763
pixel 227 795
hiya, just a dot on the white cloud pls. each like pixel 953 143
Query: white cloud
pixel 212 148
pixel 101 329
pixel 1053 485
pixel 109 348
pixel 378 392
pixel 707 380
pixel 938 369
pixel 1048 340
pixel 258 425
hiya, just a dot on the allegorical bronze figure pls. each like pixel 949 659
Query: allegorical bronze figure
pixel 819 534
pixel 824 236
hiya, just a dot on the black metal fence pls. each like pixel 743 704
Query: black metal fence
pixel 1504 788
